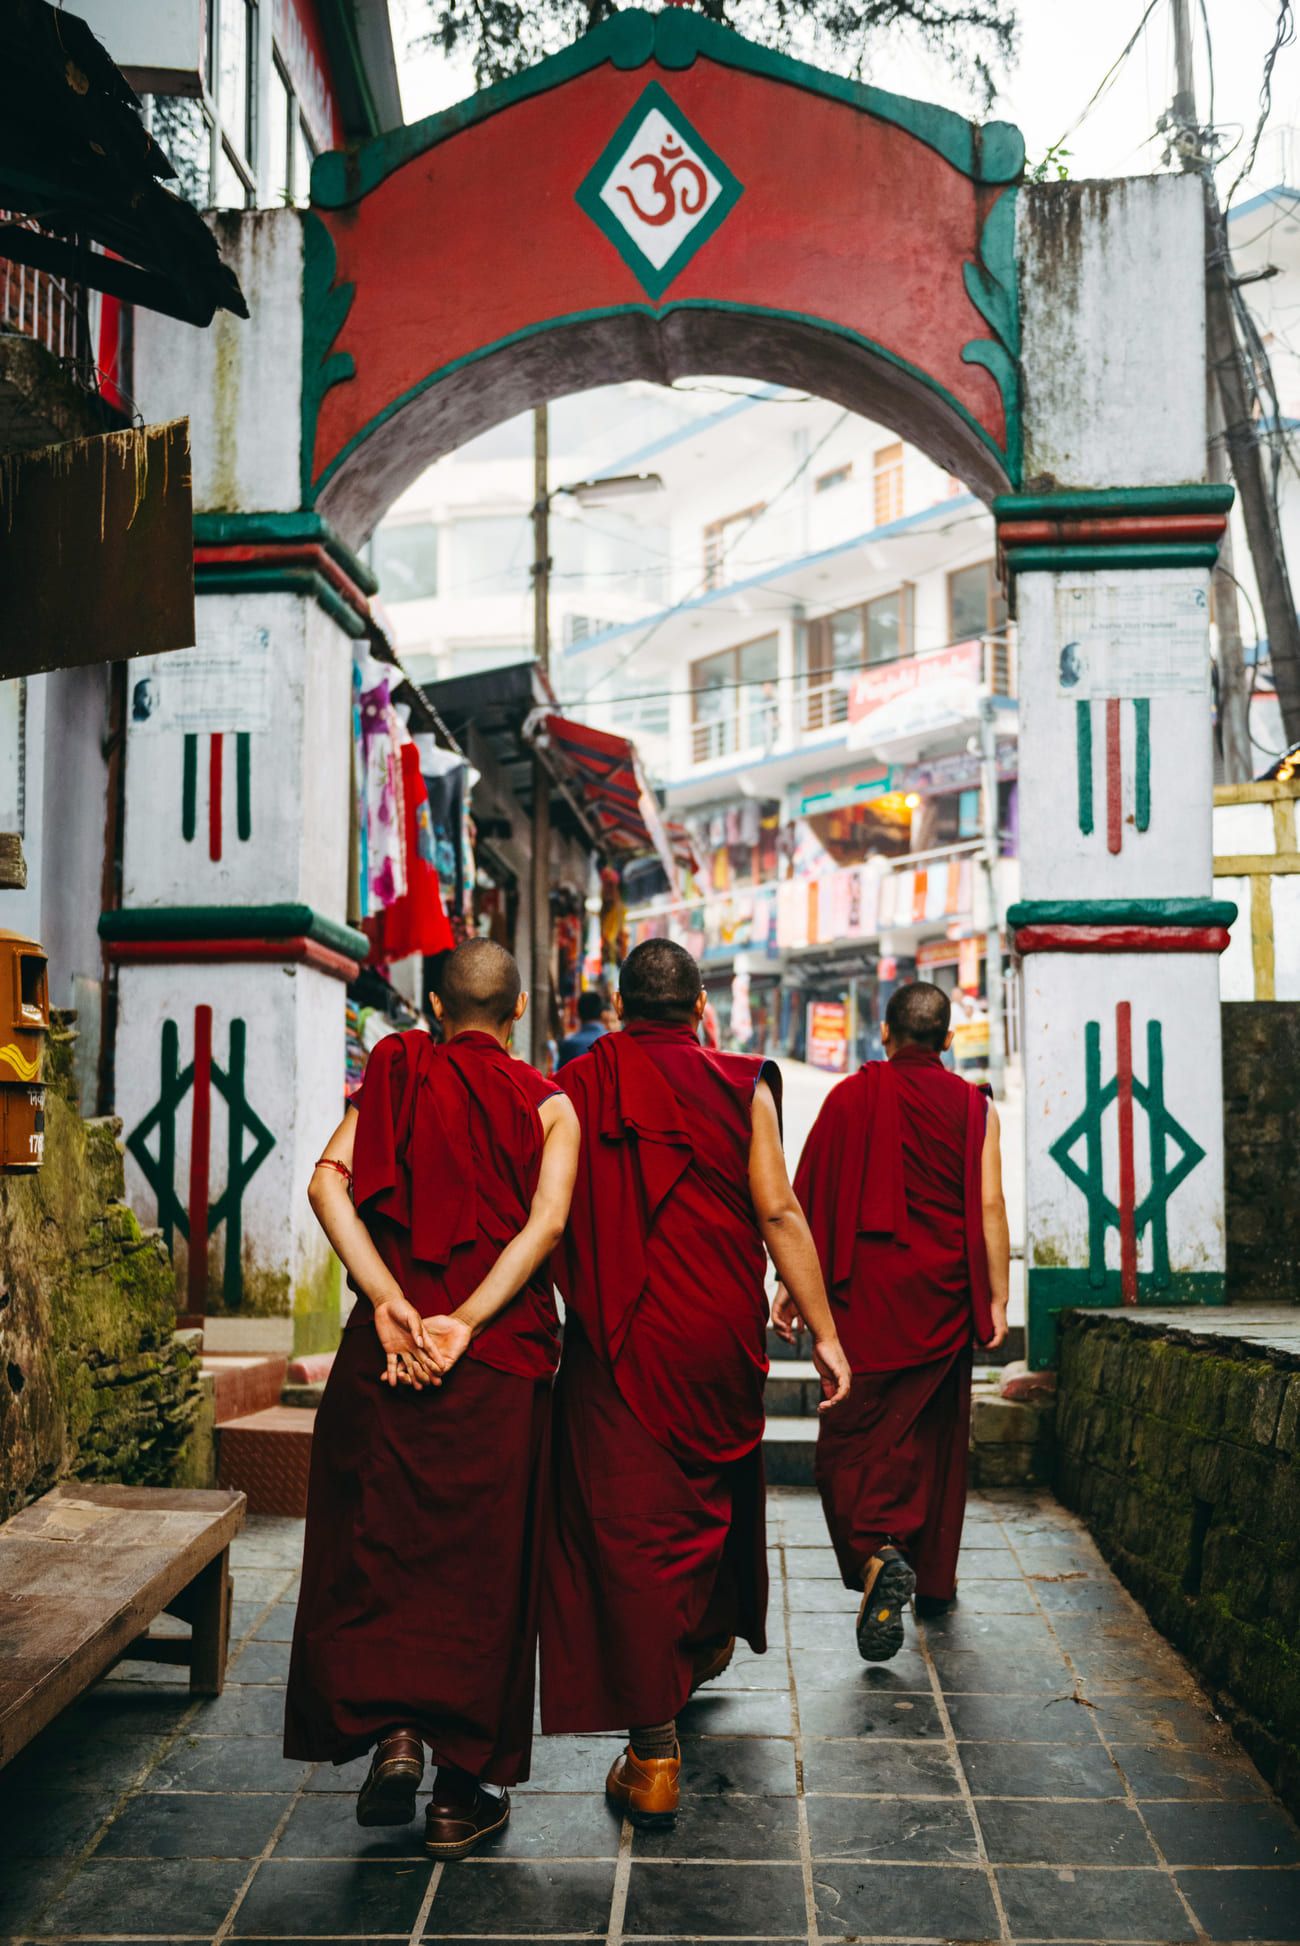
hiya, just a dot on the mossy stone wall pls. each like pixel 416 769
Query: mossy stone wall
pixel 1183 1457
pixel 94 1382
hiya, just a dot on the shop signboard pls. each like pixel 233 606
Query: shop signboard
pixel 828 1035
pixel 914 696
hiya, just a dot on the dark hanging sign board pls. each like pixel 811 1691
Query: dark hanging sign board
pixel 96 550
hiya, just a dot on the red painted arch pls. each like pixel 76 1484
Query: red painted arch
pixel 454 277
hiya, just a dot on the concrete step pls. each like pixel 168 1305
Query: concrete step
pixel 788 1448
pixel 305 1382
pixel 242 1381
pixel 793 1389
pixel 267 1455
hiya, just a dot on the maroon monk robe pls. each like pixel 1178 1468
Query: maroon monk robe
pixel 890 1180
pixel 424 1516
pixel 657 1541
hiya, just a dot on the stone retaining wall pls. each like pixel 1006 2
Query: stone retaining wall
pixel 1261 1086
pixel 1182 1453
pixel 95 1382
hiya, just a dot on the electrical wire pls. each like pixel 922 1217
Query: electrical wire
pixel 1283 35
pixel 1107 78
pixel 701 586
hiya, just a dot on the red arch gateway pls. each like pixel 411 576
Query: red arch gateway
pixel 662 198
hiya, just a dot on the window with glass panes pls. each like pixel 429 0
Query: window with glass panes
pixel 734 700
pixel 405 558
pixel 727 546
pixel 976 603
pixel 837 646
pixel 887 480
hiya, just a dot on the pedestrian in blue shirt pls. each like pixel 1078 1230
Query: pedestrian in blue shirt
pixel 591 1006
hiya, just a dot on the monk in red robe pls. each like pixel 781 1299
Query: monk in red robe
pixel 417 1622
pixel 901 1178
pixel 656 1558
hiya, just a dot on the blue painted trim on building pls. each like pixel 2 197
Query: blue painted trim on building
pixel 769 575
pixel 759 763
pixel 1279 193
pixel 630 461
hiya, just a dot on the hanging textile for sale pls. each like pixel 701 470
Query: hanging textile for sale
pixel 381 811
pixel 415 922
pixel 446 781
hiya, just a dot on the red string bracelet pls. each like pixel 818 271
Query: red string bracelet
pixel 328 1162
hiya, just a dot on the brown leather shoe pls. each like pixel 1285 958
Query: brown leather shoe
pixel 396 1772
pixel 646 1789
pixel 452 1830
pixel 711 1661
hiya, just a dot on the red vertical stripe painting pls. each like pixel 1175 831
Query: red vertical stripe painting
pixel 1127 1172
pixel 200 1164
pixel 214 795
pixel 1114 781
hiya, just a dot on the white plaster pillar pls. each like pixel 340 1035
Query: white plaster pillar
pixel 1110 544
pixel 231 943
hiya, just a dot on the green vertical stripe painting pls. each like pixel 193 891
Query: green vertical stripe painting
pixel 1142 762
pixel 189 787
pixel 1083 759
pixel 243 786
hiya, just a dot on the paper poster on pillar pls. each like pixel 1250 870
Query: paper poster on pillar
pixel 1124 1131
pixel 1115 733
pixel 239 792
pixel 234 1083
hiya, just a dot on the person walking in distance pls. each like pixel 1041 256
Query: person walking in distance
pixel 656 1559
pixel 444 1195
pixel 901 1178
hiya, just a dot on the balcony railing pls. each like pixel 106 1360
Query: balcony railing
pixel 52 310
pixel 824 702
pixel 748 726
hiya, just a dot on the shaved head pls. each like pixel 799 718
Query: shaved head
pixel 480 981
pixel 659 981
pixel 919 1013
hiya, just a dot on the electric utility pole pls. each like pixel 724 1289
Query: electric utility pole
pixel 1229 372
pixel 989 857
pixel 539 1004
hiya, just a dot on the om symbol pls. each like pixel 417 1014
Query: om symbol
pixel 670 162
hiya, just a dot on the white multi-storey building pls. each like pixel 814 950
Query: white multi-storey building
pixel 795 616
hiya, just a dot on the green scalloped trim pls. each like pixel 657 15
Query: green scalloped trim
pixel 993 153
pixel 1197 497
pixel 1121 912
pixel 325 306
pixel 235 530
pixel 267 578
pixel 283 921
pixel 659 311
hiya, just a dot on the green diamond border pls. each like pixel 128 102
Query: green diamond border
pixel 655 282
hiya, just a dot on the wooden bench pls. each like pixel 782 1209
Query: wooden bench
pixel 83 1574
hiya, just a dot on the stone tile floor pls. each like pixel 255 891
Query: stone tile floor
pixel 1036 1766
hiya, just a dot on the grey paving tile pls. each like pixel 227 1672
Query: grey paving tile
pixel 51 1822
pixel 278 1625
pixel 980 1672
pixel 726 1828
pixel 843 1668
pixel 226 1764
pixel 1104 1906
pixel 904 1902
pixel 1224 1834
pixel 821 1595
pixel 183 1895
pixel 1039 1770
pixel 1006 1596
pixel 174 1824
pixel 310 1898
pixel 483 1896
pixel 1174 1771
pixel 723 1712
pixel 566 1764
pixel 963 1628
pixel 754 1766
pixel 26 1887
pixel 246 1710
pixel 1101 1833
pixel 1021 1719
pixel 1160 1719
pixel 1245 1904
pixel 716 1900
pixel 897 1828
pixel 804 1559
pixel 325 1826
pixel 875 1768
pixel 866 1713
pixel 260 1661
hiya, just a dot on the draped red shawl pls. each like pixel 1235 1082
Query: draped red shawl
pixel 890 1181
pixel 662 1263
pixel 446 1159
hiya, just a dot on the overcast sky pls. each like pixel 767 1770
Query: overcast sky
pixel 1066 48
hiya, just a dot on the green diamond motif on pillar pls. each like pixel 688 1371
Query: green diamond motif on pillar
pixel 658 192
